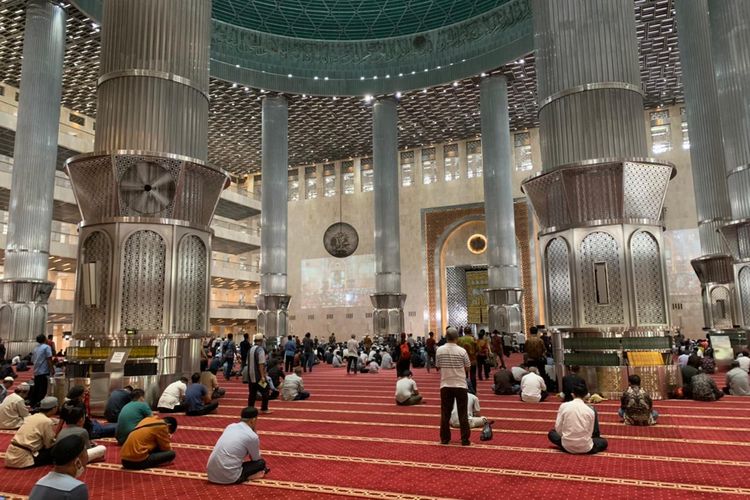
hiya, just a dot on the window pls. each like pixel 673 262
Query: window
pixel 452 166
pixel 329 180
pixel 78 120
pixel 661 132
pixel 365 171
pixel 347 177
pixel 522 151
pixel 429 166
pixel 407 168
pixel 684 127
pixel 293 185
pixel 474 159
pixel 311 183
pixel 257 186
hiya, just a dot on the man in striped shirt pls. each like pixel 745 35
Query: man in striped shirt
pixel 454 364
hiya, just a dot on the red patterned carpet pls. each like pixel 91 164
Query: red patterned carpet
pixel 351 440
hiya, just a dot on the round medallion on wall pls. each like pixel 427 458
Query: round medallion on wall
pixel 477 243
pixel 341 240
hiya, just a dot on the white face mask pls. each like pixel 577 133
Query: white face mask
pixel 79 469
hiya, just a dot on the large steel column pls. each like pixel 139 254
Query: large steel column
pixel 25 289
pixel 504 293
pixel 598 199
pixel 147 198
pixel 388 301
pixel 730 46
pixel 714 267
pixel 273 300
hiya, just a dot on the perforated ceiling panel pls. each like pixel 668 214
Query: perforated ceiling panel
pixel 324 128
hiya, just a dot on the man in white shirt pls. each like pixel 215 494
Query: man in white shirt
pixel 738 383
pixel 473 412
pixel 577 426
pixel 744 360
pixel 293 388
pixel 519 371
pixel 407 393
pixel 13 409
pixel 521 341
pixel 682 359
pixel 454 364
pixel 533 388
pixel 239 440
pixel 352 348
pixel 173 397
pixel 386 363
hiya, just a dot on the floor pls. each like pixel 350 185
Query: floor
pixel 350 440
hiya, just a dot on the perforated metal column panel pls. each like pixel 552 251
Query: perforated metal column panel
pixel 455 280
pixel 647 279
pixel 97 248
pixel 560 307
pixel 596 248
pixel 191 285
pixel 744 289
pixel 142 278
pixel 721 303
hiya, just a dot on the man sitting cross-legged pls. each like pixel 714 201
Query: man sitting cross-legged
pixel 407 393
pixel 227 464
pixel 577 426
pixel 293 388
pixel 198 400
pixel 149 444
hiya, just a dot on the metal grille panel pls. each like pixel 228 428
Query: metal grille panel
pixel 93 186
pixel 647 273
pixel 644 189
pixel 455 280
pixel 744 288
pixel 601 247
pixel 718 294
pixel 191 283
pixel 558 283
pixel 142 281
pixel 97 248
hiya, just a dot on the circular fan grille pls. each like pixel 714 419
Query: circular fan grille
pixel 147 188
pixel 341 240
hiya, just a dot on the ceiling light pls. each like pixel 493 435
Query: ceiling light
pixel 368 98
pixel 315 78
pixel 455 84
pixel 483 75
pixel 398 95
pixel 289 75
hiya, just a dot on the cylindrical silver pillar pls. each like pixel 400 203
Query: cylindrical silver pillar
pixel 589 82
pixel 25 289
pixel 706 157
pixel 730 47
pixel 387 300
pixel 273 299
pixel 153 88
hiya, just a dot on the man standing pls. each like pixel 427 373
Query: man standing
pixel 290 348
pixel 521 341
pixel 577 426
pixel 496 344
pixel 228 352
pixel 352 347
pixel 256 371
pixel 308 353
pixel 2 350
pixel 407 393
pixel 239 440
pixel 536 352
pixel 429 349
pixel 42 361
pixel 470 345
pixel 244 349
pixel 454 364
pixel 31 446
pixel 293 388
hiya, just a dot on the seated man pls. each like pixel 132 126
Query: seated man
pixel 743 359
pixel 387 362
pixel 569 381
pixel 6 370
pixel 198 401
pixel 117 400
pixel 373 367
pixel 473 409
pixel 149 444
pixel 577 426
pixel 69 458
pixel 691 369
pixel 703 388
pixel 738 382
pixel 131 414
pixel 13 410
pixel 32 444
pixel 504 383
pixel 227 464
pixel 293 388
pixel 337 362
pixel 75 398
pixel 211 383
pixel 5 387
pixel 172 400
pixel 519 371
pixel 407 393
pixel 533 388
pixel 74 418
pixel 636 406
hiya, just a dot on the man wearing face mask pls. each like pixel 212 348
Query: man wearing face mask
pixel 69 458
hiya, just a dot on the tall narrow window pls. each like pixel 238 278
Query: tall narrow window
pixel 257 185
pixel 407 168
pixel 347 177
pixel 365 171
pixel 684 128
pixel 522 151
pixel 452 164
pixel 661 131
pixel 311 183
pixel 329 180
pixel 429 166
pixel 293 185
pixel 474 159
